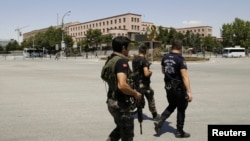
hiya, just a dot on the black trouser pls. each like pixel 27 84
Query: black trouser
pixel 177 99
pixel 124 121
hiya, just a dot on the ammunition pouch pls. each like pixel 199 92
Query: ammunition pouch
pixel 127 103
pixel 113 103
pixel 120 101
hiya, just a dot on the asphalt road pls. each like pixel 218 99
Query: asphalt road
pixel 64 100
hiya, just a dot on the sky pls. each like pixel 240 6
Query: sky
pixel 28 15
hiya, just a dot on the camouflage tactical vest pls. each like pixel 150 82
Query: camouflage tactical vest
pixel 108 72
pixel 109 76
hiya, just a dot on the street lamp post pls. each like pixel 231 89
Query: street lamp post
pixel 234 41
pixel 63 44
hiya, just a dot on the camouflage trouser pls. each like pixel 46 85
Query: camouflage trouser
pixel 124 121
pixel 148 92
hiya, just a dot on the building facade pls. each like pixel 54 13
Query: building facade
pixel 128 24
pixel 203 31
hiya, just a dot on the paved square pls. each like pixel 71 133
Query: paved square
pixel 64 100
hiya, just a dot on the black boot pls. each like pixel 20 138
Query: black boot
pixel 156 116
pixel 158 124
pixel 181 134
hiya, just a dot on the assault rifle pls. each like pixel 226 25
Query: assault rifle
pixel 139 104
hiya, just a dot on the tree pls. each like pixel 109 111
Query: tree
pixel 208 43
pixel 236 33
pixel 13 45
pixel 48 40
pixel 163 36
pixel 1 48
pixel 52 38
pixel 93 37
pixel 172 35
pixel 107 39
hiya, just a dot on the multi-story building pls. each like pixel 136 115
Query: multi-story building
pixel 128 24
pixel 30 34
pixel 203 31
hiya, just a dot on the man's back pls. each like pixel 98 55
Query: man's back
pixel 173 63
pixel 138 64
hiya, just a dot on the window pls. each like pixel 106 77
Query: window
pixel 124 20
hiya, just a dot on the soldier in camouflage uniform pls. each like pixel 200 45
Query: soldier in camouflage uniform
pixel 141 65
pixel 120 95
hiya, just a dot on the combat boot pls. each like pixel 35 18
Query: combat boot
pixel 156 116
pixel 158 124
pixel 181 134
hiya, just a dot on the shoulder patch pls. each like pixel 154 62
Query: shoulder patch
pixel 125 65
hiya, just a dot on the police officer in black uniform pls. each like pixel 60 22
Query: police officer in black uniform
pixel 177 85
pixel 120 101
pixel 141 65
